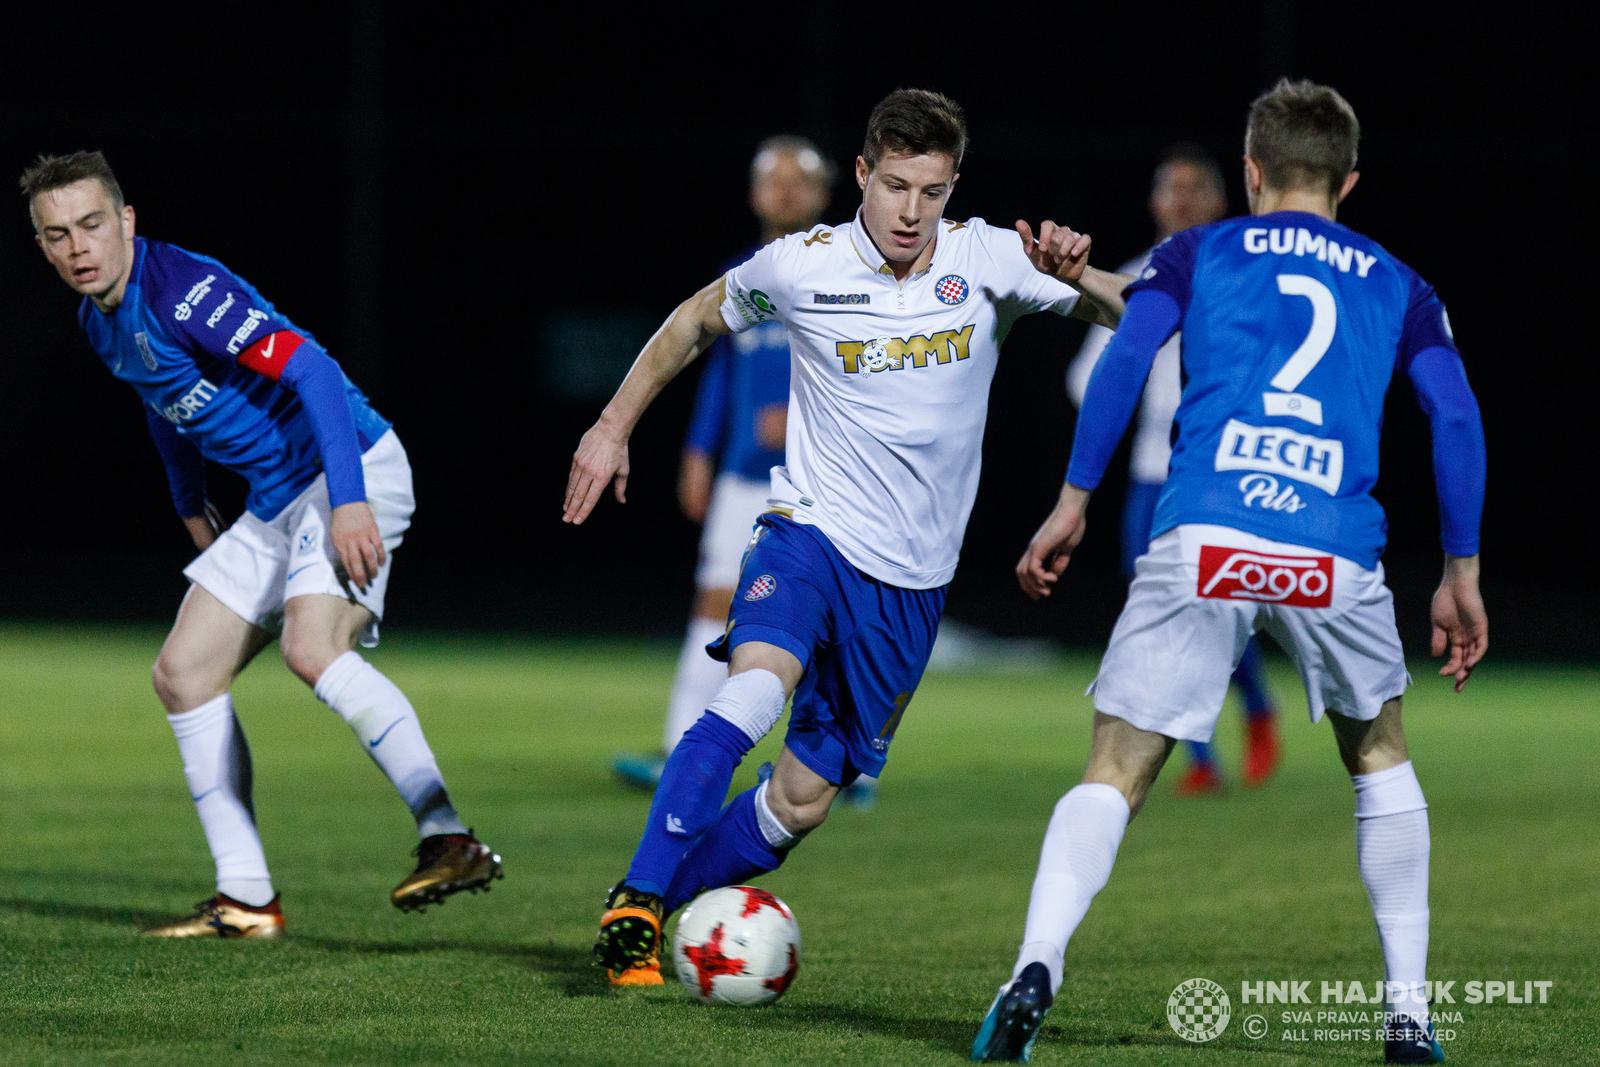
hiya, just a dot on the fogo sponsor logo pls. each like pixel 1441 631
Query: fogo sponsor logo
pixel 1239 574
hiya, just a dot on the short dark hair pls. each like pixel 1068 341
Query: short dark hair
pixel 805 152
pixel 1304 135
pixel 56 172
pixel 1195 155
pixel 916 122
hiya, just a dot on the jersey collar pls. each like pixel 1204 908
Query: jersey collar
pixel 874 260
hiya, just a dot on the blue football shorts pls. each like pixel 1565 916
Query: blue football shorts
pixel 863 644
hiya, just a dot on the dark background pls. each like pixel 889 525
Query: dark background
pixel 482 211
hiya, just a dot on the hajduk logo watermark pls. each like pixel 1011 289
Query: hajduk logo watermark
pixel 1368 1011
pixel 1199 1010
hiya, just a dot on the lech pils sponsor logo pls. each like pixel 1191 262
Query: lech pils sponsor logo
pixel 951 289
pixel 761 588
pixel 1199 1010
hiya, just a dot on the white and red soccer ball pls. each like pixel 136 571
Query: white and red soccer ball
pixel 739 945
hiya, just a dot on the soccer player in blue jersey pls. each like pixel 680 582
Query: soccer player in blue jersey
pixel 735 438
pixel 223 375
pixel 1293 327
pixel 1187 191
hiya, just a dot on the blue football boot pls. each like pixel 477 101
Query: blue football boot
pixel 1405 1041
pixel 1014 1018
pixel 639 772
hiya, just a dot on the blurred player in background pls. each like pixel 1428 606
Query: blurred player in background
pixel 1187 191
pixel 895 321
pixel 1293 328
pixel 222 375
pixel 741 413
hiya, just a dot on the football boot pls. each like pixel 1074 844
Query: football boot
pixel 1261 751
pixel 1199 780
pixel 446 864
pixel 1014 1018
pixel 628 944
pixel 639 772
pixel 1407 1041
pixel 859 795
pixel 222 916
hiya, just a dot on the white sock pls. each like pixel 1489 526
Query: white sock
pixel 216 763
pixel 1079 848
pixel 391 734
pixel 752 700
pixel 774 831
pixel 697 681
pixel 1392 848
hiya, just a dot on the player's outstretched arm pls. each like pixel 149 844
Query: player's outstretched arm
pixel 602 455
pixel 1063 253
pixel 1052 545
pixel 1460 624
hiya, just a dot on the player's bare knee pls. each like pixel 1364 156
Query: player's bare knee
pixel 308 655
pixel 182 686
pixel 1371 745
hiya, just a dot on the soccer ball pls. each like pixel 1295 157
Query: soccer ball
pixel 739 945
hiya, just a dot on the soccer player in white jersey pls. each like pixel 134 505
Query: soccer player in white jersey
pixel 895 322
pixel 223 375
pixel 735 438
pixel 1187 191
pixel 1293 328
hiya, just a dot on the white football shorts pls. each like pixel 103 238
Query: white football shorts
pixel 255 566
pixel 1196 598
pixel 736 503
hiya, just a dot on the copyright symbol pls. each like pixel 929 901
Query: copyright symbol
pixel 1255 1026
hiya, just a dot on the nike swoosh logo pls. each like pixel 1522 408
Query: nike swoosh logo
pixel 297 570
pixel 207 793
pixel 380 737
pixel 266 353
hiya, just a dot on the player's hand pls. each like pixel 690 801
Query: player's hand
pixel 1460 624
pixel 694 486
pixel 1060 251
pixel 601 459
pixel 354 533
pixel 206 527
pixel 1051 548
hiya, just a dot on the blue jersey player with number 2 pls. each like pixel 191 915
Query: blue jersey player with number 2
pixel 1293 327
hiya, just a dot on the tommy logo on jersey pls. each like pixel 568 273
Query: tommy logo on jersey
pixel 951 289
pixel 1238 574
pixel 890 353
pixel 762 588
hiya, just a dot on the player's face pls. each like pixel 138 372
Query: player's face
pixel 902 200
pixel 1185 195
pixel 785 196
pixel 85 237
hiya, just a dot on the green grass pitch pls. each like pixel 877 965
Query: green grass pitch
pixel 911 913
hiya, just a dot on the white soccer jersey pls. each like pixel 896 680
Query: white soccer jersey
pixel 1163 390
pixel 889 383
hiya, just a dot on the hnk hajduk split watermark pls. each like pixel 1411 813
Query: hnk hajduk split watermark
pixel 1200 1009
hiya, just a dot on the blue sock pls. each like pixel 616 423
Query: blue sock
pixel 731 852
pixel 1251 678
pixel 1200 753
pixel 693 783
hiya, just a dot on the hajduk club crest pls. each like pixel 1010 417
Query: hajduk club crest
pixel 952 289
pixel 762 587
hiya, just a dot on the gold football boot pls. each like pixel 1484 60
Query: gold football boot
pixel 628 944
pixel 446 863
pixel 222 916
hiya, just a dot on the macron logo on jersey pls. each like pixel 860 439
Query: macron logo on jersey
pixel 1299 241
pixel 267 356
pixel 1236 574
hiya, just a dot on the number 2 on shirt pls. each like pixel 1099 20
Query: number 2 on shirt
pixel 1324 320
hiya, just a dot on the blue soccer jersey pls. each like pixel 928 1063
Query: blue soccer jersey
pixel 206 352
pixel 1292 328
pixel 744 374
